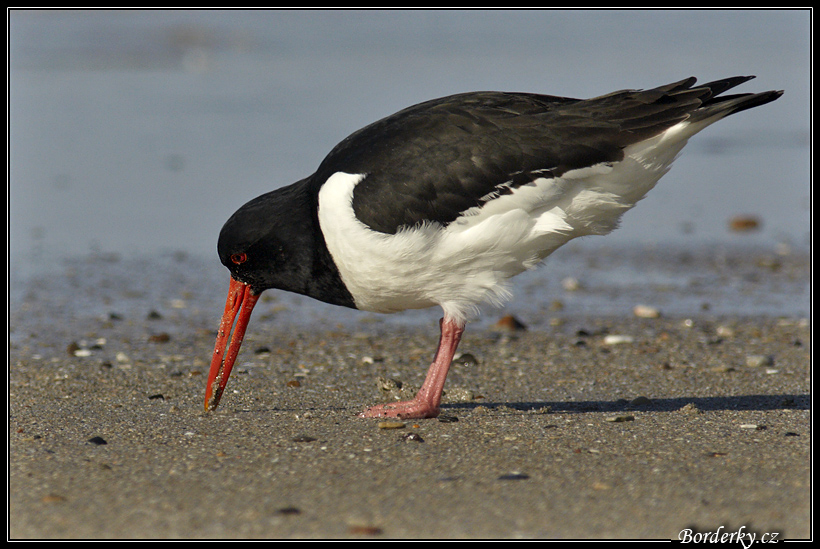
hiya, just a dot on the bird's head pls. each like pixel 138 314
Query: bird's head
pixel 264 245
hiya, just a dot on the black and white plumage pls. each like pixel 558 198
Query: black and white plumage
pixel 443 202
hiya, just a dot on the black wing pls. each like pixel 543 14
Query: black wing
pixel 433 161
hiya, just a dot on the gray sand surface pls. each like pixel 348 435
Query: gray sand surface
pixel 700 422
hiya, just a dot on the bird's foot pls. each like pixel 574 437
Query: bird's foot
pixel 408 409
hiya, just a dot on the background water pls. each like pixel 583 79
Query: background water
pixel 137 133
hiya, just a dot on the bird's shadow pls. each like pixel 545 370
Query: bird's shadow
pixel 702 404
pixel 705 404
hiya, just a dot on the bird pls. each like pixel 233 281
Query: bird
pixel 442 203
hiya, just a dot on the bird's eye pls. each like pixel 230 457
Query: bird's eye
pixel 239 258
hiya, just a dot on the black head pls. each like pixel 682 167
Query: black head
pixel 267 243
pixel 274 241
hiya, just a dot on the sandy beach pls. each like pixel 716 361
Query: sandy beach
pixel 581 426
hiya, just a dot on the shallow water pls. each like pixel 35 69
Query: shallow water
pixel 134 135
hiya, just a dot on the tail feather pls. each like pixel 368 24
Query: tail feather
pixel 719 106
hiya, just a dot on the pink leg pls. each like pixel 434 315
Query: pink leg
pixel 427 401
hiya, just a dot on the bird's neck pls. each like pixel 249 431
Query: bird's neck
pixel 325 282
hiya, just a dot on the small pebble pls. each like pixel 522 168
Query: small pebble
pixel 412 437
pixel 514 476
pixel 365 530
pixel 53 498
pixel 459 394
pixel 386 384
pixel 294 383
pixel 571 284
pixel 509 323
pixel 756 361
pixel 646 311
pixel 160 338
pixel 743 223
pixel 691 409
pixel 467 359
pixel 99 441
pixel 620 419
pixel 725 331
pixel 303 439
pixel 640 401
pixel 447 419
pixel 391 424
pixel 615 339
pixel 288 511
pixel 753 426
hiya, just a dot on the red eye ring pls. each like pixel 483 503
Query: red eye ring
pixel 239 258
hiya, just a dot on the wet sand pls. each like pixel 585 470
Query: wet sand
pixel 697 421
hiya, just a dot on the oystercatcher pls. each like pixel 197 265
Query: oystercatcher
pixel 443 202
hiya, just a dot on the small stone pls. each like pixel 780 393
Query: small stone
pixel 744 223
pixel 640 401
pixel 620 419
pixel 99 441
pixel 303 439
pixel 160 338
pixel 391 424
pixel 468 359
pixel 756 361
pixel 53 498
pixel 412 437
pixel 571 284
pixel 365 530
pixel 459 394
pixel 294 383
pixel 725 331
pixel 645 311
pixel 288 511
pixel 514 476
pixel 753 426
pixel 388 385
pixel 509 323
pixel 447 419
pixel 615 339
pixel 691 409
